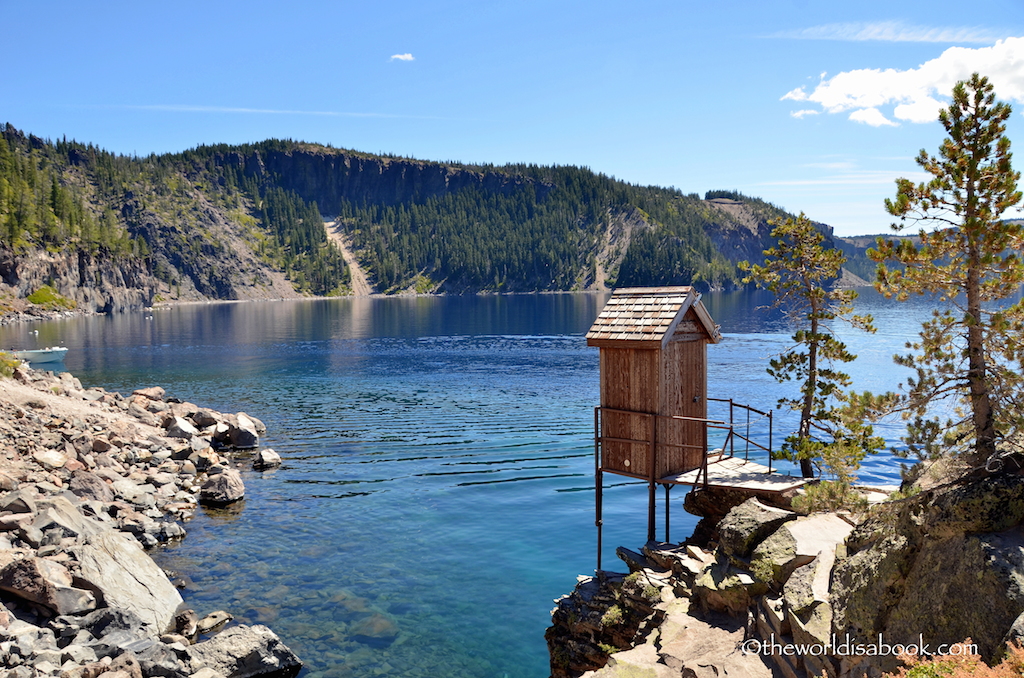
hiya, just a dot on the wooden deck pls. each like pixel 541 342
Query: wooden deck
pixel 733 472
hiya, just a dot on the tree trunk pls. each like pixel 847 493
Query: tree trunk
pixel 804 432
pixel 977 369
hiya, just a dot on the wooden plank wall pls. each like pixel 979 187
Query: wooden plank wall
pixel 629 381
pixel 683 392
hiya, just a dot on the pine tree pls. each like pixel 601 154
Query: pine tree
pixel 972 351
pixel 799 271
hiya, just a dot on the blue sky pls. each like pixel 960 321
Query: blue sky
pixel 813 105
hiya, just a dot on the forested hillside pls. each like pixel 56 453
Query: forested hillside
pixel 235 222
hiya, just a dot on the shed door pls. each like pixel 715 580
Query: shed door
pixel 682 444
pixel 629 388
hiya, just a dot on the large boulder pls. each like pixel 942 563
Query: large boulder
pixel 725 588
pixel 179 427
pixel 46 583
pixel 797 543
pixel 223 488
pixel 747 525
pixel 243 433
pixel 125 577
pixel 245 652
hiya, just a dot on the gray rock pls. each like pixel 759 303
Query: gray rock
pixel 100 623
pixel 213 621
pixel 266 458
pixel 50 458
pixel 159 659
pixel 89 486
pixel 31 535
pixel 203 418
pixel 223 488
pixel 128 490
pixel 180 427
pixel 725 588
pixel 143 415
pixel 747 525
pixel 45 583
pixel 257 424
pixel 59 512
pixel 153 393
pixel 245 652
pixel 243 434
pixel 809 584
pixel 127 578
pixel 79 654
pixel 798 542
pixel 963 586
pixel 18 502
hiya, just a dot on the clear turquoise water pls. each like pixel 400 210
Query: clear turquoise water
pixel 437 491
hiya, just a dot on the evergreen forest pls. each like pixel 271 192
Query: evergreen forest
pixel 412 225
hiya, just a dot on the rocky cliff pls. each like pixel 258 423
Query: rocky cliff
pixel 825 594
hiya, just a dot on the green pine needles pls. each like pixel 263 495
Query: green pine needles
pixel 832 433
pixel 971 354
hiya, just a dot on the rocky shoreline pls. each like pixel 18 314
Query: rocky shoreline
pixel 88 480
pixel 763 591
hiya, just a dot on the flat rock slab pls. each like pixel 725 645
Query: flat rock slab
pixel 700 649
pixel 245 652
pixel 128 578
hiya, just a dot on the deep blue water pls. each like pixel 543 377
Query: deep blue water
pixel 437 491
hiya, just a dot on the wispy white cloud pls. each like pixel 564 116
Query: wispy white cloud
pixel 804 113
pixel 894 31
pixel 913 93
pixel 402 57
pixel 830 165
pixel 873 117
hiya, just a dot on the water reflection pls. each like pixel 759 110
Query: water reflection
pixel 437 486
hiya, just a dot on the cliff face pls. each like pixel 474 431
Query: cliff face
pixel 95 284
pixel 328 176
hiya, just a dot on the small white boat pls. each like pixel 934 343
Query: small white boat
pixel 54 354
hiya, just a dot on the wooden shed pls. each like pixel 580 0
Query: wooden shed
pixel 653 343
pixel 652 423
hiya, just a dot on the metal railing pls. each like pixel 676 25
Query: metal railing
pixel 746 436
pixel 650 440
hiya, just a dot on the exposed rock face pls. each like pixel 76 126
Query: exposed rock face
pixel 921 567
pixel 94 283
pixel 942 566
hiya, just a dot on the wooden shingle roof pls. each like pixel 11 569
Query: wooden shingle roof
pixel 649 317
